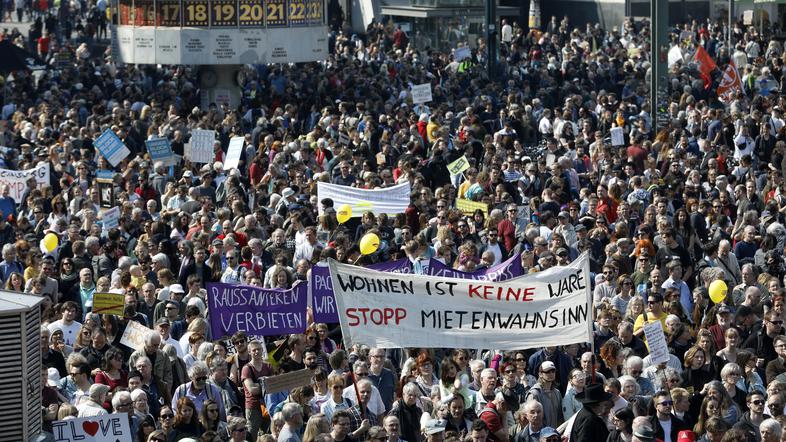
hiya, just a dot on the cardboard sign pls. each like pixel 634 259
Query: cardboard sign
pixel 617 136
pixel 468 207
pixel 17 180
pixel 458 166
pixel 287 381
pixel 233 153
pixel 111 219
pixel 462 53
pixel 421 93
pixel 202 146
pixel 160 150
pixel 656 341
pixel 111 147
pixel 107 428
pixel 108 303
pixel 134 335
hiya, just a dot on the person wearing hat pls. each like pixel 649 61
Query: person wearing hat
pixel 664 421
pixel 643 433
pixel 433 429
pixel 590 422
pixel 494 414
pixel 548 434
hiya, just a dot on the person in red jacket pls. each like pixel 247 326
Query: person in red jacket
pixel 506 229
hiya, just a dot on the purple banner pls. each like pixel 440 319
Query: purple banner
pixel 403 265
pixel 256 311
pixel 323 302
pixel 501 272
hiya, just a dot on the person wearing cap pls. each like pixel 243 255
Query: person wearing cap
pixel 590 422
pixel 548 434
pixel 494 414
pixel 723 317
pixel 93 405
pixel 643 433
pixel 433 429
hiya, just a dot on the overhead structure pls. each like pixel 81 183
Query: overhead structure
pixel 219 32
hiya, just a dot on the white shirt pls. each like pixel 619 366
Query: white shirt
pixel 69 331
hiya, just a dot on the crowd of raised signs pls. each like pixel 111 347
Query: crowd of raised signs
pixel 562 157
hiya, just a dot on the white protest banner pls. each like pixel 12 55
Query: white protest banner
pixel 106 428
pixel 134 335
pixel 617 136
pixel 110 218
pixel 202 146
pixel 388 310
pixel 421 93
pixel 16 180
pixel 287 381
pixel 389 200
pixel 656 342
pixel 111 147
pixel 232 159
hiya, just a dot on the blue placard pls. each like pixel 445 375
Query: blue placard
pixel 111 147
pixel 160 150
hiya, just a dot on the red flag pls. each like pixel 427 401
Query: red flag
pixel 705 65
pixel 730 83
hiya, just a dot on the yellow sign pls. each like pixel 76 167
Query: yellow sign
pixel 468 207
pixel 108 303
pixel 458 166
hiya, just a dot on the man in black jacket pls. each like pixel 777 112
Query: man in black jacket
pixel 751 419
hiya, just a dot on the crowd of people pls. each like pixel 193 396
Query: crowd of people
pixel 697 199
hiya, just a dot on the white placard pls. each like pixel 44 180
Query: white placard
pixel 110 218
pixel 134 335
pixel 107 428
pixel 617 136
pixel 421 93
pixel 656 341
pixel 389 200
pixel 674 56
pixel 232 159
pixel 16 180
pixel 389 310
pixel 202 146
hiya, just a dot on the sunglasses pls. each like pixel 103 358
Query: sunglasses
pixel 167 416
pixel 666 403
pixel 757 402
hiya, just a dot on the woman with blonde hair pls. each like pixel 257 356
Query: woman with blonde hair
pixel 316 425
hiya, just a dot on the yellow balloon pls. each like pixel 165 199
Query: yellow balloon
pixel 344 213
pixel 718 290
pixel 50 242
pixel 369 243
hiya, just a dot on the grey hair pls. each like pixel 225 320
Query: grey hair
pixel 488 372
pixel 633 360
pixel 410 388
pixel 204 350
pixel 477 362
pixel 122 396
pixel 625 379
pixel 772 425
pixel 96 390
pixel 290 410
pixel 530 404
pixel 199 368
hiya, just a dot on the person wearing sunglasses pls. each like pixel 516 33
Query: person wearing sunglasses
pixel 664 419
pixel 199 391
pixel 654 305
